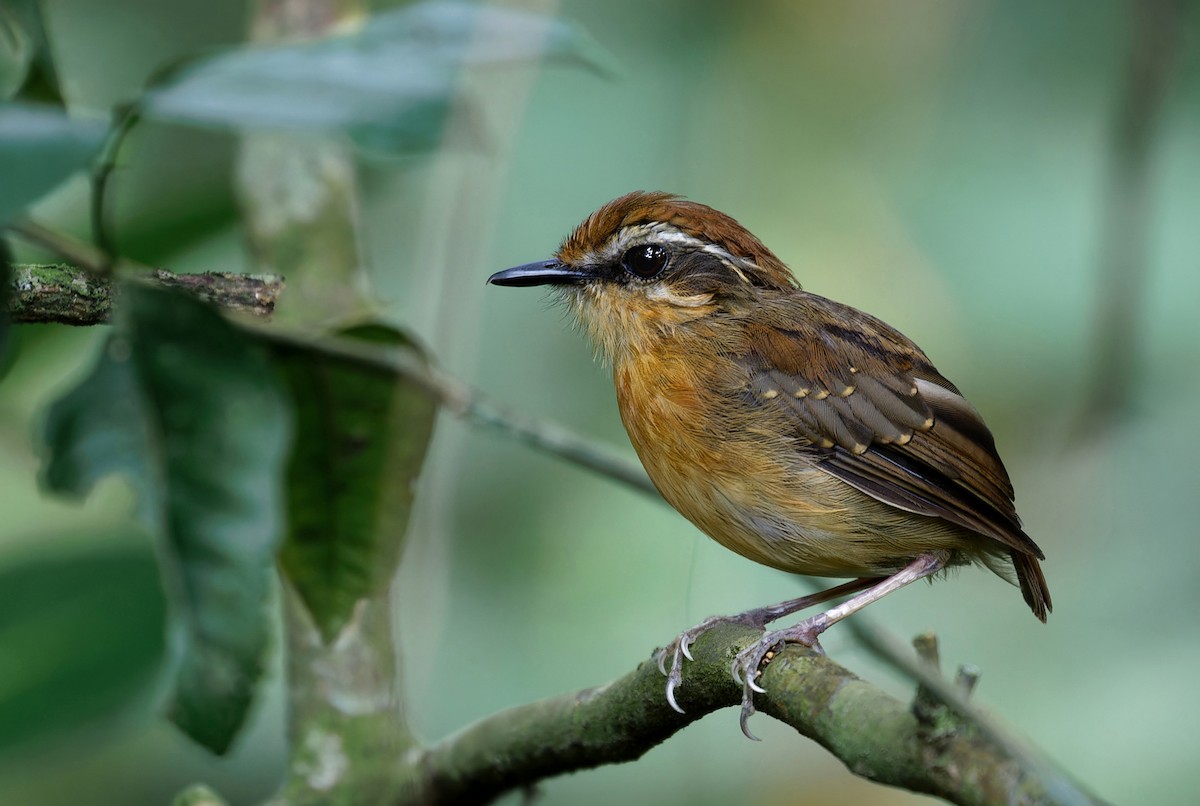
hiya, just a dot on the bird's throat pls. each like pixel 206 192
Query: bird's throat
pixel 624 322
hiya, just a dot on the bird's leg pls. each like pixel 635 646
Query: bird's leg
pixel 758 618
pixel 746 664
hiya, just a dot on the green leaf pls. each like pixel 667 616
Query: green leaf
pixel 6 292
pixel 199 795
pixel 361 435
pixel 389 85
pixel 80 635
pixel 39 78
pixel 16 53
pixel 189 410
pixel 40 147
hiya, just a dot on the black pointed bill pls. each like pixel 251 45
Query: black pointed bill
pixel 543 272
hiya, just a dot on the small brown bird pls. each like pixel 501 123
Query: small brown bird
pixel 799 432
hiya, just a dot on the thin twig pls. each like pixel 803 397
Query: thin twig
pixel 124 119
pixel 469 404
pixel 1157 28
pixel 67 247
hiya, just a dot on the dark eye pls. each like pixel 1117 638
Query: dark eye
pixel 645 261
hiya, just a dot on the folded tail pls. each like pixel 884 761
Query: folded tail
pixel 1033 583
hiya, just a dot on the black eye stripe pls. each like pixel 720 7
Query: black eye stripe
pixel 645 261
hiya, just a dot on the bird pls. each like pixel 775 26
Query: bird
pixel 797 431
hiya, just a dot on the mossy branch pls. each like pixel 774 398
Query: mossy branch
pixel 922 747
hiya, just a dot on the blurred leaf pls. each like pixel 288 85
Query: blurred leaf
pixel 185 407
pixel 6 291
pixel 79 635
pixel 389 85
pixel 199 795
pixel 16 53
pixel 39 80
pixel 39 147
pixel 361 435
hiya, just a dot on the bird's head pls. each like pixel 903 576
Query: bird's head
pixel 647 263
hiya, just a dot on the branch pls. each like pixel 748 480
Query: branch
pixel 931 684
pixel 82 293
pixel 70 296
pixel 875 735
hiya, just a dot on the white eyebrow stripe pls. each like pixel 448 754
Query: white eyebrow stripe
pixel 659 232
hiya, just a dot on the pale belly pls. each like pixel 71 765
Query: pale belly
pixel 819 526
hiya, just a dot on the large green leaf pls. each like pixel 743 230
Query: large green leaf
pixel 80 634
pixel 186 407
pixel 388 85
pixel 39 147
pixel 16 53
pixel 361 435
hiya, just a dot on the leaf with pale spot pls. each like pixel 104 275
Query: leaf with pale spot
pixel 189 410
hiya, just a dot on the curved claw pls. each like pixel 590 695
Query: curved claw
pixel 744 667
pixel 744 721
pixel 746 664
pixel 674 679
pixel 745 671
pixel 671 697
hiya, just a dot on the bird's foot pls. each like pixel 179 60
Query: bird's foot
pixel 747 665
pixel 805 632
pixel 680 648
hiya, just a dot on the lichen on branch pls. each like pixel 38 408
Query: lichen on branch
pixel 61 294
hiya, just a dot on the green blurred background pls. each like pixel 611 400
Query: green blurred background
pixel 942 165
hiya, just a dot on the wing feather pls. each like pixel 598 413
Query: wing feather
pixel 872 406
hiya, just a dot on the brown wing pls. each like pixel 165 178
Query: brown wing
pixel 884 420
